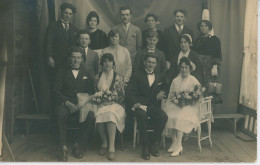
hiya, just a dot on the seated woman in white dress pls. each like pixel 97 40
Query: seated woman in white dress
pixel 111 115
pixel 181 119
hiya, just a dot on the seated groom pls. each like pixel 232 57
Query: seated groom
pixel 68 82
pixel 144 93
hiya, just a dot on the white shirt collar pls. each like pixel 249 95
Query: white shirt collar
pixel 177 27
pixel 127 25
pixel 181 54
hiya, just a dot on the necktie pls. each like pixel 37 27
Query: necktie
pixel 125 29
pixel 66 26
pixel 179 30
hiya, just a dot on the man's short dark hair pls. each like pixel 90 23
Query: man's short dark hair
pixel 91 15
pixel 183 11
pixel 150 56
pixel 152 34
pixel 125 8
pixel 82 31
pixel 68 6
pixel 76 49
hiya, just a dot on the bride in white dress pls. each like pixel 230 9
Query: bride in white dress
pixel 180 119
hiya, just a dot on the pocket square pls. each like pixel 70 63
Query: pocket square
pixel 133 34
pixel 84 78
pixel 159 84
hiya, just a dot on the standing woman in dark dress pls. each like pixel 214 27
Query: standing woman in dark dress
pixel 151 21
pixel 98 38
pixel 209 48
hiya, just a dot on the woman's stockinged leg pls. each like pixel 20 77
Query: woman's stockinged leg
pixel 179 138
pixel 111 131
pixel 102 132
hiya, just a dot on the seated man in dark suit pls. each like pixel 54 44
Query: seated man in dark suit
pixel 91 60
pixel 144 92
pixel 68 82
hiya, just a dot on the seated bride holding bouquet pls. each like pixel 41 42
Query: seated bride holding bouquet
pixel 105 103
pixel 181 106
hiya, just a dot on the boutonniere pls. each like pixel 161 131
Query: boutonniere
pixel 85 77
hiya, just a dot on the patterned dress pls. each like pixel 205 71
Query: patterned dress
pixel 209 50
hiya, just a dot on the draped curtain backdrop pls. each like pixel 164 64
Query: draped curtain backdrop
pixel 227 17
pixel 248 88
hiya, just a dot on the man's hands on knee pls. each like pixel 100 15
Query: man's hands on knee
pixel 72 107
pixel 139 106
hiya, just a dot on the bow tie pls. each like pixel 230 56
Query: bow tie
pixel 151 50
pixel 74 68
pixel 151 73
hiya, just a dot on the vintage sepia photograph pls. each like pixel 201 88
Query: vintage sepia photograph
pixel 148 81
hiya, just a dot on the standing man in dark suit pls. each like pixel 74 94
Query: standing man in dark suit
pixel 172 36
pixel 91 60
pixel 130 35
pixel 68 82
pixel 144 94
pixel 60 37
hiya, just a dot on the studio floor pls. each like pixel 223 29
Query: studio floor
pixel 41 147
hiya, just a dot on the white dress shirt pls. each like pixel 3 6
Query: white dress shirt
pixel 86 51
pixel 75 73
pixel 151 78
pixel 126 27
pixel 178 28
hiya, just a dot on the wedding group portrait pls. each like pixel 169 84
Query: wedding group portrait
pixel 128 81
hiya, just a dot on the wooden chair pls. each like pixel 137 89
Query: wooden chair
pixel 136 133
pixel 205 116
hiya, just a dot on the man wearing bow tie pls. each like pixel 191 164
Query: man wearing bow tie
pixel 60 37
pixel 68 82
pixel 144 93
pixel 151 39
pixel 130 35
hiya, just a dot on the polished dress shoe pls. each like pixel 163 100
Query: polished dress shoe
pixel 64 155
pixel 76 152
pixel 153 151
pixel 102 151
pixel 145 153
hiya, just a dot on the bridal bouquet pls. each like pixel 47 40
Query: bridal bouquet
pixel 105 96
pixel 188 97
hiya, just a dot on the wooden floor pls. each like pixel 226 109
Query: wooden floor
pixel 41 147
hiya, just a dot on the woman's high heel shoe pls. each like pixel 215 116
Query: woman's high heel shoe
pixel 177 152
pixel 171 149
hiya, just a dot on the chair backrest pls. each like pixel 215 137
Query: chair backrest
pixel 205 111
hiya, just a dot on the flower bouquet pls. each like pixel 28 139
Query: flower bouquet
pixel 104 97
pixel 188 97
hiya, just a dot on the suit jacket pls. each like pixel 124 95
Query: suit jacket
pixel 161 61
pixel 91 62
pixel 132 40
pixel 58 41
pixel 66 86
pixel 172 40
pixel 194 57
pixel 139 91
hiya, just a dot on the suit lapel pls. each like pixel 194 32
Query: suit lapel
pixel 155 81
pixel 145 80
